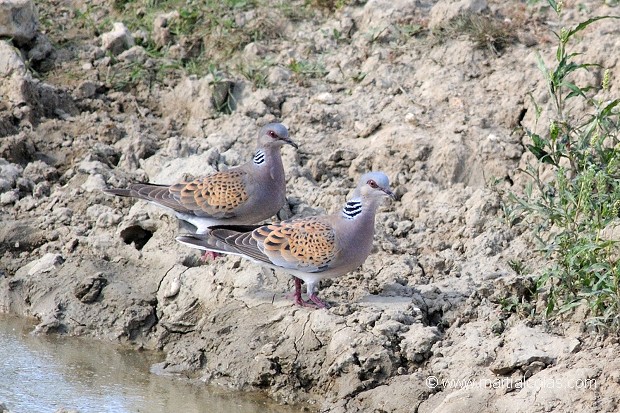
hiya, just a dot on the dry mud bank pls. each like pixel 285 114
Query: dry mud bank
pixel 421 325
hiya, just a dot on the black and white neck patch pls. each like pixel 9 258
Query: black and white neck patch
pixel 259 157
pixel 352 209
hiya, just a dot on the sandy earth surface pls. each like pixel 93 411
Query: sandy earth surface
pixel 421 325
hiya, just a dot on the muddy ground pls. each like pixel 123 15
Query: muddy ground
pixel 423 325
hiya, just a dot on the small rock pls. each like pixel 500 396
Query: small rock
pixel 9 197
pixel 416 343
pixel 174 288
pixel 252 51
pixel 63 215
pixel 41 190
pixel 278 75
pixel 18 20
pixel 89 289
pixel 39 171
pixel 325 98
pixel 96 53
pixel 161 31
pixel 117 40
pixel 86 89
pixel 177 52
pixel 96 211
pixel 27 203
pixel 46 264
pixel 91 167
pixel 403 228
pixel 5 185
pixel 347 25
pixel 525 346
pixel 108 219
pixel 366 128
pixel 10 60
pixel 24 185
pixel 49 324
pixel 42 48
pixel 388 328
pixel 10 171
pixel 133 55
pixel 94 183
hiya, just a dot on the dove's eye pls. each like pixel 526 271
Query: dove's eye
pixel 372 184
pixel 272 134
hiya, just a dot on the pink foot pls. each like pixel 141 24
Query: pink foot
pixel 317 301
pixel 296 296
pixel 209 256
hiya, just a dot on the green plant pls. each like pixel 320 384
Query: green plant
pixel 517 266
pixel 186 23
pixel 256 72
pixel 573 196
pixel 304 68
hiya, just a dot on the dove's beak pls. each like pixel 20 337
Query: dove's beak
pixel 389 193
pixel 290 142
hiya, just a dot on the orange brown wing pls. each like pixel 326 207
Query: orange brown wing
pixel 217 195
pixel 307 244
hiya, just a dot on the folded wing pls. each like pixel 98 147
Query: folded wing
pixel 305 244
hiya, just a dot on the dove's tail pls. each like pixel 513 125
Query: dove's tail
pixel 227 239
pixel 118 191
pixel 149 192
pixel 206 242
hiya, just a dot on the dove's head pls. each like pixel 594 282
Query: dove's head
pixel 274 135
pixel 374 185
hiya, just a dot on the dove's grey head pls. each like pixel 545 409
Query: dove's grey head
pixel 274 135
pixel 374 185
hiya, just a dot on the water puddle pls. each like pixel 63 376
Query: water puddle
pixel 43 374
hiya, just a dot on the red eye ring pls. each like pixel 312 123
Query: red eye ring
pixel 272 134
pixel 372 183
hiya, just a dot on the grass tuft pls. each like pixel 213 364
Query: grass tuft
pixel 486 32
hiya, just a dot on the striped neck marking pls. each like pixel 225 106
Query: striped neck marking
pixel 259 157
pixel 352 209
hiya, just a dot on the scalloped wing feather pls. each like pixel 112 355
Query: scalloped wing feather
pixel 217 195
pixel 305 244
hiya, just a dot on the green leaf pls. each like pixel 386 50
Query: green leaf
pixel 575 90
pixel 588 22
pixel 559 53
pixel 541 66
pixel 607 110
pixel 541 154
pixel 569 306
pixel 538 141
pixel 553 5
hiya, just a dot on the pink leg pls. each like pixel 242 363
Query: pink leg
pixel 297 294
pixel 315 301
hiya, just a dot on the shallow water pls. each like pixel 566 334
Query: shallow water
pixel 40 374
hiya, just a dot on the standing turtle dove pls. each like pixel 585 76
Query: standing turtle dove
pixel 311 248
pixel 246 194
